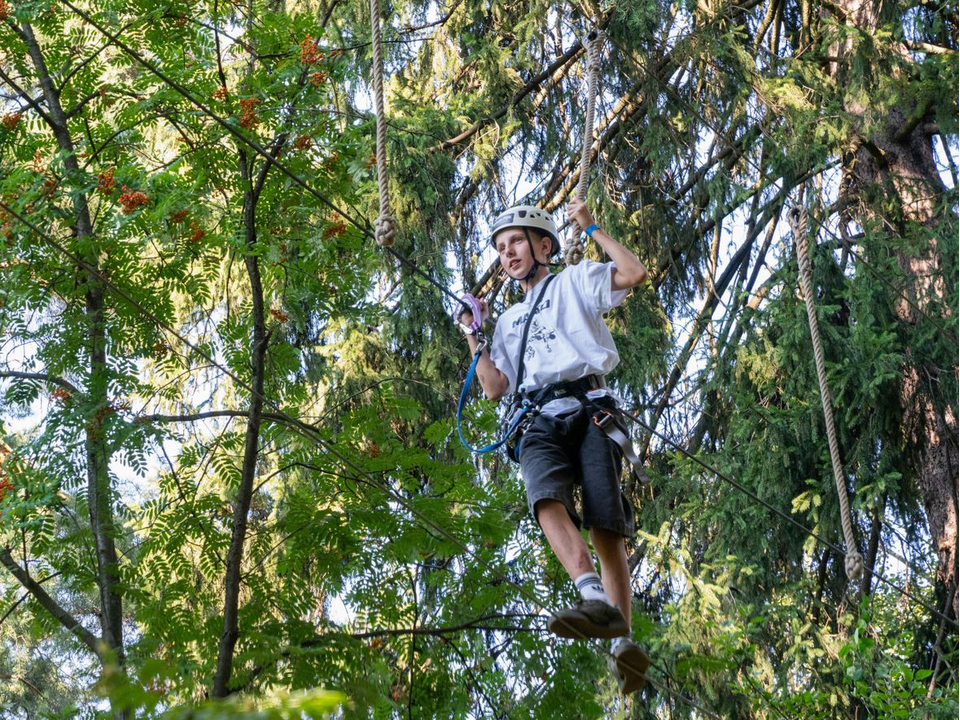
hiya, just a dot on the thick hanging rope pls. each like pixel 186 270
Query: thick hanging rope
pixel 853 562
pixel 385 228
pixel 572 249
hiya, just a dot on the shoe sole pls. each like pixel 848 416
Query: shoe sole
pixel 632 666
pixel 577 626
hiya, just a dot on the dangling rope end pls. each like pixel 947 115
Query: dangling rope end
pixel 853 564
pixel 385 230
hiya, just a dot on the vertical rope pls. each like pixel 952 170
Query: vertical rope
pixel 853 562
pixel 386 226
pixel 572 249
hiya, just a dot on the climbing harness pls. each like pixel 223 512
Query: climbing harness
pixel 853 562
pixel 386 225
pixel 600 416
pixel 572 249
pixel 605 421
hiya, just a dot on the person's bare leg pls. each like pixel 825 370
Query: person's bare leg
pixel 614 571
pixel 628 662
pixel 594 618
pixel 565 539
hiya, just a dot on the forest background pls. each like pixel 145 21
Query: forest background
pixel 229 466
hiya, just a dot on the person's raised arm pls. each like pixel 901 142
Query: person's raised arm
pixel 628 271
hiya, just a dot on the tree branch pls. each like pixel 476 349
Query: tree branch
pixel 196 417
pixel 49 604
pixel 568 56
pixel 33 104
pixel 43 377
pixel 81 104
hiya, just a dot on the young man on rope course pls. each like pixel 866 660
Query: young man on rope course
pixel 553 350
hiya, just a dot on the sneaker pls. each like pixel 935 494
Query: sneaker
pixel 628 663
pixel 589 619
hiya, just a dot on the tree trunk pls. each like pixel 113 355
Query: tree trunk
pixel 241 509
pixel 97 453
pixel 898 161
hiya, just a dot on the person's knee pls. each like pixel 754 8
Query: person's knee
pixel 551 511
pixel 607 543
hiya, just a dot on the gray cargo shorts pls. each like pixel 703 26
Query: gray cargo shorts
pixel 559 453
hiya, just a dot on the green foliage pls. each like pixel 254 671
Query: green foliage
pixel 379 559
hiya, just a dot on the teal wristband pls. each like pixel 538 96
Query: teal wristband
pixel 589 230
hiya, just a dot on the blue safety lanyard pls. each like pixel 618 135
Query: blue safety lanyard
pixel 463 401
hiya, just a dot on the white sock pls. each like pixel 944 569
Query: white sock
pixel 591 588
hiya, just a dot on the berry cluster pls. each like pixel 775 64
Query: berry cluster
pixel 105 182
pixel 132 199
pixel 248 117
pixel 10 120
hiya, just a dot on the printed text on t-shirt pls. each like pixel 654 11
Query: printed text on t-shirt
pixel 540 308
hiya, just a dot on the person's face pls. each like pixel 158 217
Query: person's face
pixel 514 250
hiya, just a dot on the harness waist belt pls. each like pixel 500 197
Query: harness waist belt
pixel 571 388
pixel 603 419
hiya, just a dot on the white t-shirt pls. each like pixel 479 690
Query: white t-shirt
pixel 568 337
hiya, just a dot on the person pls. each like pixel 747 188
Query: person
pixel 567 353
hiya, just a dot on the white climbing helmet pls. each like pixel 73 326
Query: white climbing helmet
pixel 527 216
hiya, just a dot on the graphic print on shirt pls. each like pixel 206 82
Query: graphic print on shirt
pixel 539 336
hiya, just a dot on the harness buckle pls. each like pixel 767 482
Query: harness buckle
pixel 602 419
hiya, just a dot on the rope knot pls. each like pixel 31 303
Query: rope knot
pixel 385 229
pixel 853 564
pixel 573 252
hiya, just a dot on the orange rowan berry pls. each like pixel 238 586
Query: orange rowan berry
pixel 248 117
pixel 308 51
pixel 335 229
pixel 105 182
pixel 11 120
pixel 132 199
pixel 5 484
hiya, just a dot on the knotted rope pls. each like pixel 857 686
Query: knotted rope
pixel 572 249
pixel 386 226
pixel 853 562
